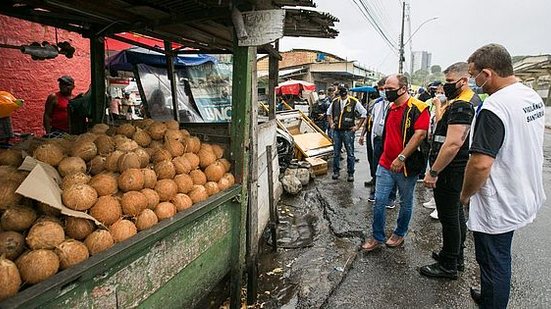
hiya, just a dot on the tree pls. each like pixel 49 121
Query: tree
pixel 420 77
pixel 435 69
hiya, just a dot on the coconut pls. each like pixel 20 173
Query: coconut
pixel 223 184
pixel 119 138
pixel 12 244
pixel 218 151
pixel 71 252
pixel 111 132
pixel 198 194
pixel 157 130
pixel 165 210
pixel 207 147
pixel 149 177
pixel 181 165
pixel 45 235
pixel 104 144
pixel 107 210
pixel 181 202
pixel 37 265
pixel 161 155
pixel 131 180
pixel 79 197
pixel 172 124
pixel 49 153
pixel 174 135
pixel 212 188
pixel 143 156
pixel 96 165
pixel 215 171
pixel 126 145
pixel 230 178
pixel 99 128
pixel 129 160
pixel 146 219
pixel 166 188
pixel 104 183
pixel 10 280
pixel 198 177
pixel 122 230
pixel 144 123
pixel 86 137
pixel 133 203
pixel 99 241
pixel 165 170
pixel 206 157
pixel 150 151
pixel 47 218
pixel 152 197
pixel 74 179
pixel 112 161
pixel 184 183
pixel 48 210
pixel 71 165
pixel 174 147
pixel 85 150
pixel 185 133
pixel 193 144
pixel 64 143
pixel 226 163
pixel 18 218
pixel 7 192
pixel 11 157
pixel 142 138
pixel 193 160
pixel 12 175
pixel 126 129
pixel 156 144
pixel 78 228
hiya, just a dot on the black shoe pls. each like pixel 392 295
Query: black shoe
pixel 475 295
pixel 460 262
pixel 368 183
pixel 350 178
pixel 335 176
pixel 437 271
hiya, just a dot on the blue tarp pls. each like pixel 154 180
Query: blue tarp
pixel 363 89
pixel 126 59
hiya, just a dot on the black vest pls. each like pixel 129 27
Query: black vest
pixel 346 119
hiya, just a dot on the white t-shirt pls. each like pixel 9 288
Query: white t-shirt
pixel 514 191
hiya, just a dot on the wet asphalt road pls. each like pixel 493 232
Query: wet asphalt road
pixel 328 221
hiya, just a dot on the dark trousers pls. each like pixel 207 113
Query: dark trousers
pixel 377 153
pixel 493 254
pixel 451 216
pixel 370 155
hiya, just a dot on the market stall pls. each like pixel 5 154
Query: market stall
pixel 175 262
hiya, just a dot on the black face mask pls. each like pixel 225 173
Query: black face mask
pixel 450 90
pixel 392 95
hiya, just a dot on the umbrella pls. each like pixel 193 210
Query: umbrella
pixel 294 87
pixel 366 89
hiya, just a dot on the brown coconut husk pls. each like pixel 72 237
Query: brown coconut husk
pixel 18 218
pixel 12 244
pixel 146 219
pixel 37 265
pixel 122 230
pixel 165 210
pixel 166 188
pixel 79 197
pixel 131 180
pixel 98 241
pixel 133 203
pixel 10 279
pixel 78 228
pixel 71 252
pixel 45 235
pixel 107 210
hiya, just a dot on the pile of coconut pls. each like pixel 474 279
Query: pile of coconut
pixel 129 178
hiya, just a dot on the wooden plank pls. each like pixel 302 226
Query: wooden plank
pixel 240 153
pixel 273 211
pixel 273 75
pixel 97 59
pixel 171 77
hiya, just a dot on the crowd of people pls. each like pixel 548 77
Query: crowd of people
pixel 462 148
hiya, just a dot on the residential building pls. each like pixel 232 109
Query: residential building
pixel 420 60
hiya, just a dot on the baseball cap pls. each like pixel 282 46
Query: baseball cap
pixel 343 91
pixel 66 79
pixel 435 84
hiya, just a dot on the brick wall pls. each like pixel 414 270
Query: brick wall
pixel 34 80
pixel 295 58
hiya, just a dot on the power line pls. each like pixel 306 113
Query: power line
pixel 367 14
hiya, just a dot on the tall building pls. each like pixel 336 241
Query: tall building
pixel 420 60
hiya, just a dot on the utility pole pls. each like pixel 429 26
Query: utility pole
pixel 402 59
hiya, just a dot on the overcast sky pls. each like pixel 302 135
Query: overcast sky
pixel 461 27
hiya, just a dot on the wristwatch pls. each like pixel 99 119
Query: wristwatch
pixel 433 173
pixel 401 157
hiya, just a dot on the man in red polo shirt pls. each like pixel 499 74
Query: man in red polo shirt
pixel 406 126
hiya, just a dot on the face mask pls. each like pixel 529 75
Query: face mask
pixel 450 90
pixel 442 98
pixel 392 95
pixel 481 90
pixel 382 94
pixel 322 96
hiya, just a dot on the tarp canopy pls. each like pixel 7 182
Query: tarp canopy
pixel 363 89
pixel 126 59
pixel 294 87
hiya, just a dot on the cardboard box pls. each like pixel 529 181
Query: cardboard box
pixel 319 166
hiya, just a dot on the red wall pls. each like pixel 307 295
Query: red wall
pixel 34 80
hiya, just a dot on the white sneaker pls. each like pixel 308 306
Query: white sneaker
pixel 434 214
pixel 430 204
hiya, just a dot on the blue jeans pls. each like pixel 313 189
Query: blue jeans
pixel 377 152
pixel 346 137
pixel 493 254
pixel 386 180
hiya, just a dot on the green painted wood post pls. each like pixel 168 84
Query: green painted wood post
pixel 240 139
pixel 97 60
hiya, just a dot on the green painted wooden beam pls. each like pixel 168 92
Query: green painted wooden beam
pixel 97 57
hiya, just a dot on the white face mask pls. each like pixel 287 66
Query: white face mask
pixel 322 96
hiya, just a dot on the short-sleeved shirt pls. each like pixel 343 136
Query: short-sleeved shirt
pixel 489 133
pixel 394 143
pixel 459 112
